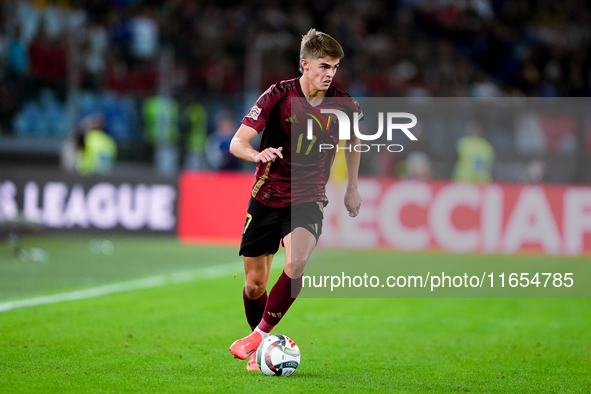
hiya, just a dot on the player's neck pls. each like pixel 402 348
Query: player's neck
pixel 314 96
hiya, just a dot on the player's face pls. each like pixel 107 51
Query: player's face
pixel 321 71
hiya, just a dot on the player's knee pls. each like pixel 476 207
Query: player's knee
pixel 255 289
pixel 295 267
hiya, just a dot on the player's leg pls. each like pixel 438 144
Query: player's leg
pixel 256 274
pixel 299 245
pixel 302 225
pixel 300 239
pixel 260 241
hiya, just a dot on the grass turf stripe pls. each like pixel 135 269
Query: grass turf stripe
pixel 212 272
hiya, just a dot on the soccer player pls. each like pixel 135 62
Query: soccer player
pixel 288 195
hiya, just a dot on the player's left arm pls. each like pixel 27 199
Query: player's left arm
pixel 352 197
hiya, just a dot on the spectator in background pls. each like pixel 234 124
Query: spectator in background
pixel 446 48
pixel 28 18
pixel 48 62
pixel 418 166
pixel 97 45
pixel 97 151
pixel 16 56
pixel 144 35
pixel 475 156
pixel 217 146
pixel 9 103
pixel 161 115
pixel 535 172
pixel 195 117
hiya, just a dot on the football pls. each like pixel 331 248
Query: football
pixel 278 355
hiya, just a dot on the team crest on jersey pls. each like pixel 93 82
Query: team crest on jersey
pixel 254 113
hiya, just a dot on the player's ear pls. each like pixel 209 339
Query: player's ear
pixel 305 64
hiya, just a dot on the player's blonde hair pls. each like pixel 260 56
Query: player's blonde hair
pixel 316 44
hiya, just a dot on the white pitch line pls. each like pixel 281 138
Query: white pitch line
pixel 216 271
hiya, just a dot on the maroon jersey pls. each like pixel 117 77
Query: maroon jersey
pixel 281 114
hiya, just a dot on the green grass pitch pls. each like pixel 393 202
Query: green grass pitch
pixel 174 338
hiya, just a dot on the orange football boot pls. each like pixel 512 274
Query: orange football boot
pixel 246 346
pixel 252 363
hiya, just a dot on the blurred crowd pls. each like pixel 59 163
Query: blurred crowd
pixel 111 51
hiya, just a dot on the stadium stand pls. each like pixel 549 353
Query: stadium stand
pixel 62 60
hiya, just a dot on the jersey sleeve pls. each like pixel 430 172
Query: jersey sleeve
pixel 355 107
pixel 258 115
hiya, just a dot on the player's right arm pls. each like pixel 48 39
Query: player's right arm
pixel 241 148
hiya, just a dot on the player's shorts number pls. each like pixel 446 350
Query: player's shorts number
pixel 300 139
pixel 248 220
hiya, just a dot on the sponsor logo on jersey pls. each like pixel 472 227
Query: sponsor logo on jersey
pixel 292 119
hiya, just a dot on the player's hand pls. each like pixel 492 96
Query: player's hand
pixel 352 202
pixel 269 154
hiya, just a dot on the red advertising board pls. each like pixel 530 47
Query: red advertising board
pixel 410 215
pixel 212 206
pixel 464 218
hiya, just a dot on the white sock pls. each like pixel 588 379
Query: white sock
pixel 264 335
